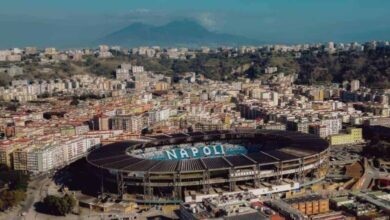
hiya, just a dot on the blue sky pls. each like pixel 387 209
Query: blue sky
pixel 75 22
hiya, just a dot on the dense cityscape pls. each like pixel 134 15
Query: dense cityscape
pixel 139 143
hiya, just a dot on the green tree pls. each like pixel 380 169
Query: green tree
pixel 51 204
pixel 70 201
pixel 58 205
pixel 11 198
pixel 254 72
pixel 16 179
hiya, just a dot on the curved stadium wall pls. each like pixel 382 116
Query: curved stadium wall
pixel 166 165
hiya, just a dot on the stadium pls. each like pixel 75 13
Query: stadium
pixel 193 166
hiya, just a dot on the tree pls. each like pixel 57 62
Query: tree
pixel 2 205
pixel 74 101
pixel 89 61
pixel 5 79
pixel 16 179
pixel 11 198
pixel 379 149
pixel 58 206
pixel 52 205
pixel 70 201
pixel 253 72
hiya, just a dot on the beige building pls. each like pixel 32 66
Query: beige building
pixel 353 136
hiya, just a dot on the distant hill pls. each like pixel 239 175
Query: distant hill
pixel 176 33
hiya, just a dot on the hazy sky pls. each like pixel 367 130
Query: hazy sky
pixel 73 23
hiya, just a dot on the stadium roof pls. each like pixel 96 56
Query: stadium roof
pixel 116 156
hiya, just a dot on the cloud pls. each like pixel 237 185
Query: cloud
pixel 211 21
pixel 139 11
pixel 143 15
pixel 208 20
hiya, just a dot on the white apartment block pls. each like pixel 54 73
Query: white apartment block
pixel 59 153
pixel 333 126
pixel 137 69
pixel 122 74
pixel 159 115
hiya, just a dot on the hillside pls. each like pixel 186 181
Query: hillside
pixel 186 33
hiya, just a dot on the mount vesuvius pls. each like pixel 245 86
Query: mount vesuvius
pixel 187 33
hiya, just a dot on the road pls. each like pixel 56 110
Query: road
pixel 36 191
pixel 384 206
pixel 370 174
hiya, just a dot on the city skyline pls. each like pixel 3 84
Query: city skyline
pixel 195 110
pixel 74 24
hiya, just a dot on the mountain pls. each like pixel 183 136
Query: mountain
pixel 176 33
